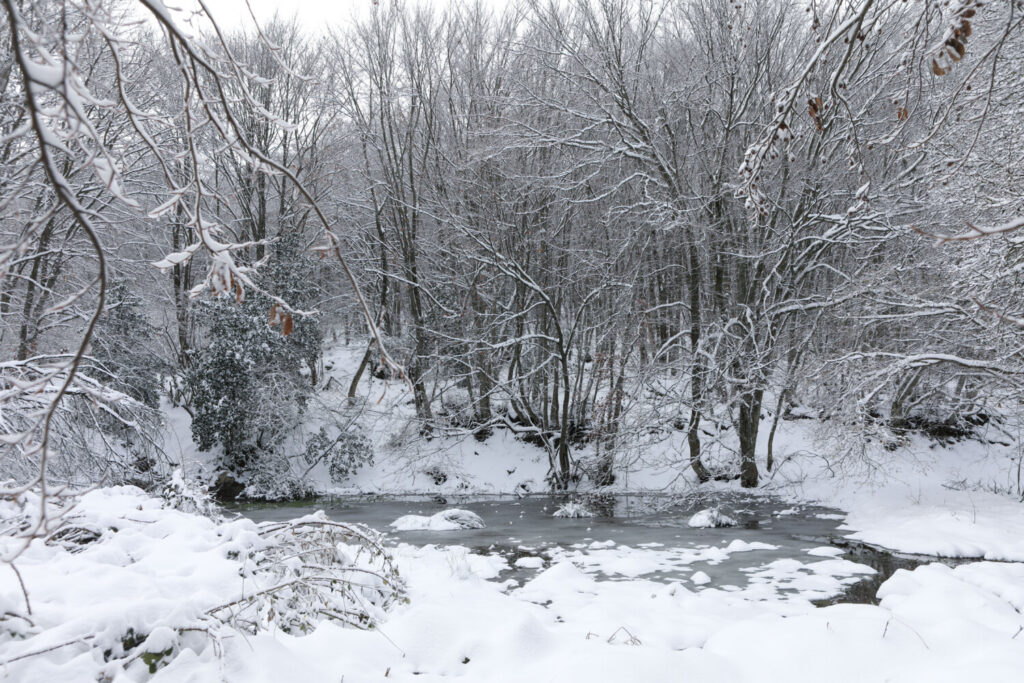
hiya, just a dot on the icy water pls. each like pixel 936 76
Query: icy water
pixel 631 536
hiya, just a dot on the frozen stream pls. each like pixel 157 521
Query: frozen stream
pixel 776 547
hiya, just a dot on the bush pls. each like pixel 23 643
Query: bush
pixel 125 345
pixel 237 575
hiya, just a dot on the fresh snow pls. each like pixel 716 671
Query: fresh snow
pixel 530 562
pixel 700 578
pixel 599 611
pixel 154 569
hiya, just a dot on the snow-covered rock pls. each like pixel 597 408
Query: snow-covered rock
pixel 711 518
pixel 446 520
pixel 700 578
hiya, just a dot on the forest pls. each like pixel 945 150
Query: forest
pixel 247 258
pixel 579 222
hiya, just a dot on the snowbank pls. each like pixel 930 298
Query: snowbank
pixel 130 586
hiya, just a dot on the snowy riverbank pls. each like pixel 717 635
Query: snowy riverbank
pixel 111 607
pixel 955 499
pixel 129 599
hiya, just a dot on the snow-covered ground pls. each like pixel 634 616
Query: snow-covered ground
pixel 588 613
pixel 154 571
pixel 919 498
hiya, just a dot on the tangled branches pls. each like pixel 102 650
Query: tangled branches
pixel 310 569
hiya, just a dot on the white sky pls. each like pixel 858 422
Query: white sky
pixel 313 13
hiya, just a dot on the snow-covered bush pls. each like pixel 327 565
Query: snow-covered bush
pixel 344 454
pixel 436 473
pixel 94 433
pixel 246 386
pixel 125 345
pixel 272 478
pixel 189 496
pixel 251 380
pixel 573 510
pixel 311 569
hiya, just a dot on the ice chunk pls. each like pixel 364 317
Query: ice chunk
pixel 530 562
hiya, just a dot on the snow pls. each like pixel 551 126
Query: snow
pixel 992 528
pixel 813 581
pixel 154 579
pixel 599 610
pixel 925 499
pixel 446 520
pixel 711 518
pixel 155 569
pixel 621 560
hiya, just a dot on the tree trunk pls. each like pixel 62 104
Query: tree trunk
pixel 359 372
pixel 749 421
pixel 779 407
pixel 697 370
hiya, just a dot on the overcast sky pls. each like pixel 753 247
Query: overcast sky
pixel 314 13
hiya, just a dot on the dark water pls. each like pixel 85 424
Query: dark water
pixel 519 528
pixel 885 564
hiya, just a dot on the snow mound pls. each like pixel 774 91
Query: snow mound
pixel 446 520
pixel 711 518
pixel 573 510
pixel 700 578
